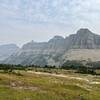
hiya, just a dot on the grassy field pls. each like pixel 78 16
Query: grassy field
pixel 27 85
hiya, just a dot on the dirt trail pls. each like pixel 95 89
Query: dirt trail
pixel 66 76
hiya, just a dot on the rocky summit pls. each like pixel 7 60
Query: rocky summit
pixel 83 45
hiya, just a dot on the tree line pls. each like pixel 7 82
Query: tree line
pixel 80 67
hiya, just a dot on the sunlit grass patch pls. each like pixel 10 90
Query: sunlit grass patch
pixel 31 86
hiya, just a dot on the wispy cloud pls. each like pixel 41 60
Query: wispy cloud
pixel 61 15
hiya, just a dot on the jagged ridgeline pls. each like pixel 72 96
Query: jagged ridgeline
pixel 84 45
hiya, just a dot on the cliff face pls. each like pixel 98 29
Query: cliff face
pixel 57 50
pixel 84 39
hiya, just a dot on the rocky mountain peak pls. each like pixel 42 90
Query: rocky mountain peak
pixel 56 38
pixel 84 31
pixel 83 39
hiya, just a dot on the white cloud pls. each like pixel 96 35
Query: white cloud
pixel 61 15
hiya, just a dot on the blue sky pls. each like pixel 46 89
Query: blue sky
pixel 25 20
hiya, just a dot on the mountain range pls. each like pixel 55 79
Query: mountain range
pixel 84 45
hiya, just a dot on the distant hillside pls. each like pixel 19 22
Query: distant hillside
pixel 84 45
pixel 7 50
